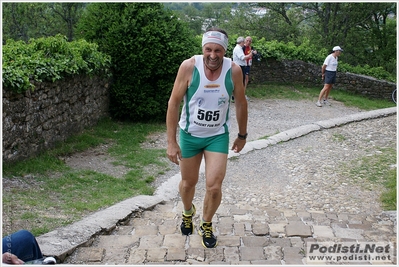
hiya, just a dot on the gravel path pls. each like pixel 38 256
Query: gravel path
pixel 306 173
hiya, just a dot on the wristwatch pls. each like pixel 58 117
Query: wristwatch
pixel 243 137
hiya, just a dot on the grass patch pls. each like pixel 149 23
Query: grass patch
pixel 351 99
pixel 301 92
pixel 281 91
pixel 50 194
pixel 339 137
pixel 378 169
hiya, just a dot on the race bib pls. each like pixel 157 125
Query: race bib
pixel 208 118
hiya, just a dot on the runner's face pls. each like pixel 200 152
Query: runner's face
pixel 213 55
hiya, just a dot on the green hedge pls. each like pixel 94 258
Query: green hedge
pixel 49 59
pixel 307 52
pixel 147 44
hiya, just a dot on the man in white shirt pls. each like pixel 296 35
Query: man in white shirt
pixel 239 57
pixel 328 75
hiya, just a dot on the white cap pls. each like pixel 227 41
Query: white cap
pixel 337 48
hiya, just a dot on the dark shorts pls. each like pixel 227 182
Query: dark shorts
pixel 191 145
pixel 330 77
pixel 243 73
pixel 246 70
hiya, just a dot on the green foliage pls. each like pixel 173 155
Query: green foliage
pixel 23 21
pixel 366 31
pixel 48 59
pixel 147 44
pixel 376 72
pixel 308 52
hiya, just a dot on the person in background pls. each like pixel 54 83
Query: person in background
pixel 248 51
pixel 205 83
pixel 328 75
pixel 239 57
pixel 20 247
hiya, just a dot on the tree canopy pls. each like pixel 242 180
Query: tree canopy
pixel 147 44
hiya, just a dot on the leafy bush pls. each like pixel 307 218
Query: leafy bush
pixel 376 72
pixel 49 59
pixel 147 44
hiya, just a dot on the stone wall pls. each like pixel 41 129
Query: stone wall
pixel 296 71
pixel 35 120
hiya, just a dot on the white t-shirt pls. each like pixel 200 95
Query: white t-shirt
pixel 331 62
pixel 238 56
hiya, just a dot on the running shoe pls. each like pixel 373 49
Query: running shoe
pixel 187 225
pixel 208 239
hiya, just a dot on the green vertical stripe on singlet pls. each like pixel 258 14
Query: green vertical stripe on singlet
pixel 228 83
pixel 193 87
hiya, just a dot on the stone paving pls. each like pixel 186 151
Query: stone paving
pixel 274 203
pixel 264 221
pixel 266 236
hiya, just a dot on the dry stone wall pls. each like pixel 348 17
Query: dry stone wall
pixel 296 71
pixel 36 120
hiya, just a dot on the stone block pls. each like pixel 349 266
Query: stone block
pixel 151 241
pixel 117 241
pixel 239 229
pixel 115 256
pixel 197 254
pixel 229 241
pixel 260 229
pixel 293 255
pixel 143 230
pixel 255 241
pixel 323 231
pixel 156 254
pixel 349 233
pixel 298 229
pixel 251 253
pixel 278 228
pixel 214 254
pixel 137 256
pixel 281 242
pixel 89 254
pixel 174 241
pixel 273 253
pixel 176 254
pixel 195 241
pixel 231 255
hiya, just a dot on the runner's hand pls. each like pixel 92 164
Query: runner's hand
pixel 174 153
pixel 238 145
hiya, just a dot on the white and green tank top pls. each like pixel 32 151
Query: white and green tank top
pixel 205 111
